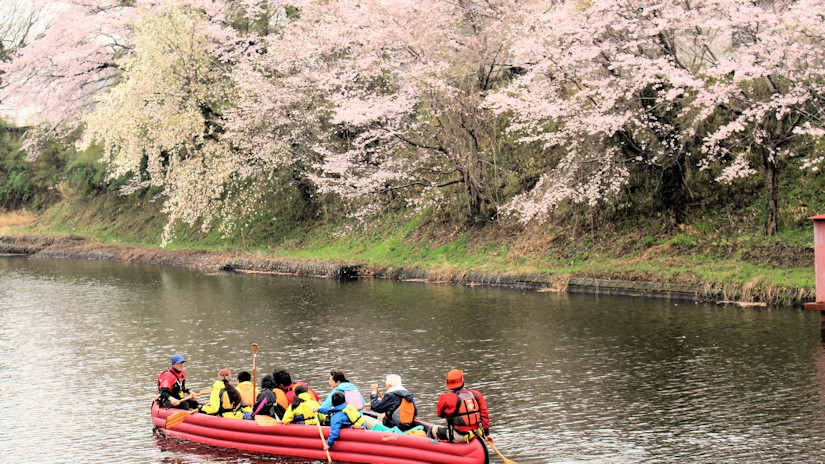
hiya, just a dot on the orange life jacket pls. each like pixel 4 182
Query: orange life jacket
pixel 467 410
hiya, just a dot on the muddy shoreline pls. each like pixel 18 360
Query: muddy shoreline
pixel 84 248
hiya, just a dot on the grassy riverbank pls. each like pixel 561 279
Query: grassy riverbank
pixel 743 267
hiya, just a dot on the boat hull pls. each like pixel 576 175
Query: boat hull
pixel 302 441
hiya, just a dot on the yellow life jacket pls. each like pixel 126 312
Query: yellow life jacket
pixel 353 415
pixel 303 414
pixel 248 392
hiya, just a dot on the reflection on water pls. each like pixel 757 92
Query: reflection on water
pixel 567 378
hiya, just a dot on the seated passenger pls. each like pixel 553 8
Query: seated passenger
pixel 246 388
pixel 339 383
pixel 341 416
pixel 225 400
pixel 397 405
pixel 303 408
pixel 172 386
pixel 285 390
pixel 465 411
pixel 266 403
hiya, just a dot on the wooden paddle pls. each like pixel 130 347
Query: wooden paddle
pixel 254 372
pixel 179 417
pixel 323 440
pixel 266 421
pixel 506 461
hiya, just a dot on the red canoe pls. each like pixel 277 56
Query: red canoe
pixel 303 441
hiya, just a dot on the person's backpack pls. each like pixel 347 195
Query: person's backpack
pixel 405 413
pixel 467 410
pixel 353 398
pixel 271 408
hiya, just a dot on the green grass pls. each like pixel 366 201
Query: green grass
pixel 702 255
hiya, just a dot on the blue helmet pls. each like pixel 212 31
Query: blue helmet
pixel 177 359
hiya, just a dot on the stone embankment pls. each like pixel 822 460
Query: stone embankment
pixel 76 247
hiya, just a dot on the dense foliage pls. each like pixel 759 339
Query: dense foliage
pixel 478 111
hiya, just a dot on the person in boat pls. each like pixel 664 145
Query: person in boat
pixel 339 383
pixel 172 391
pixel 247 390
pixel 341 416
pixel 397 405
pixel 267 402
pixel 285 390
pixel 303 409
pixel 465 411
pixel 225 399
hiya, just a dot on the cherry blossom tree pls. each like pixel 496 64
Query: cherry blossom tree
pixel 605 88
pixel 387 97
pixel 162 125
pixel 414 102
pixel 769 88
pixel 20 22
pixel 615 85
pixel 149 81
pixel 57 72
pixel 161 113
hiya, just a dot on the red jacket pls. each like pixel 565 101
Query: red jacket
pixel 289 393
pixel 448 401
pixel 172 383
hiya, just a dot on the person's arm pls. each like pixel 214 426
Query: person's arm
pixel 165 384
pixel 485 413
pixel 289 415
pixel 441 407
pixel 380 404
pixel 260 402
pixel 166 393
pixel 328 401
pixel 315 407
pixel 214 402
pixel 334 428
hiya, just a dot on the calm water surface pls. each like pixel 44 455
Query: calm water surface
pixel 567 378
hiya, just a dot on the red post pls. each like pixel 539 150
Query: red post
pixel 819 269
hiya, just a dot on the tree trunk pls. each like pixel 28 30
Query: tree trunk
pixel 671 197
pixel 478 203
pixel 772 179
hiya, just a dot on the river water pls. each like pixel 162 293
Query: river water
pixel 568 378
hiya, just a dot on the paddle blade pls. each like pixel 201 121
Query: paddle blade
pixel 266 421
pixel 177 418
pixel 506 461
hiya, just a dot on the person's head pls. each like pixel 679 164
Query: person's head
pixel 455 379
pixel 267 382
pixel 297 400
pixel 178 362
pixel 301 388
pixel 338 399
pixel 336 377
pixel 244 376
pixel 282 378
pixel 226 376
pixel 393 380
